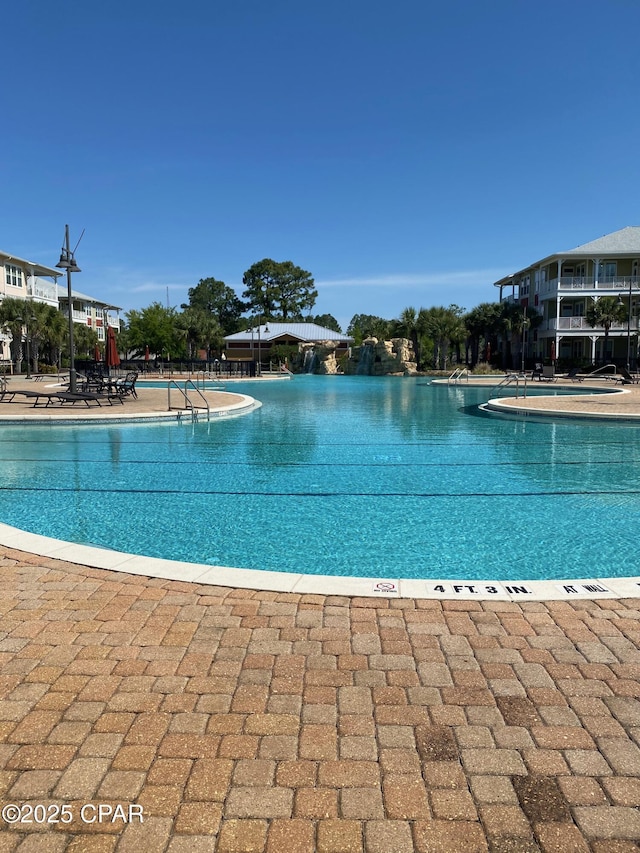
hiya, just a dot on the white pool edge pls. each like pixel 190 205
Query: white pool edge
pixel 302 583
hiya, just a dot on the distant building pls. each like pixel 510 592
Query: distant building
pixel 256 342
pixel 561 287
pixel 22 279
pixel 89 311
pixel 27 280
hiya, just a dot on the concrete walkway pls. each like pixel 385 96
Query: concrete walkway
pixel 235 720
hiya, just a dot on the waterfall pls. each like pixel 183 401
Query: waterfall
pixel 365 360
pixel 310 361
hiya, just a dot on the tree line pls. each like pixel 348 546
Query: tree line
pixel 282 291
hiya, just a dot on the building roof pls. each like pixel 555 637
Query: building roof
pixel 36 269
pixel 302 331
pixel 83 297
pixel 624 243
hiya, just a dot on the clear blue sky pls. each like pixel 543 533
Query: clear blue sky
pixel 405 153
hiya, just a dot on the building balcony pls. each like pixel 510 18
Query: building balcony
pixel 41 290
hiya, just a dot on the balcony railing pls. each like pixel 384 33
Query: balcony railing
pixel 579 324
pixel 42 290
pixel 615 284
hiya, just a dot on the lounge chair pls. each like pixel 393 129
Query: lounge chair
pixel 608 373
pixel 49 398
pixel 62 397
pixel 574 375
pixel 628 378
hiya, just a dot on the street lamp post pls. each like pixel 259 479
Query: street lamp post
pixel 259 347
pixel 68 262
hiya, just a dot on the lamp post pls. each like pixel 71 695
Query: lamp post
pixel 259 347
pixel 525 323
pixel 68 262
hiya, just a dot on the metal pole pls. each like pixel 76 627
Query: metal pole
pixel 72 361
pixel 259 347
pixel 28 352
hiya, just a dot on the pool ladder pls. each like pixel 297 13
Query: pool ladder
pixel 509 379
pixel 458 375
pixel 188 403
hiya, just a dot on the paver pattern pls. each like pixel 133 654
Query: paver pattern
pixel 260 722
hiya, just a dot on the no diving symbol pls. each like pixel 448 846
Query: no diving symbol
pixel 385 586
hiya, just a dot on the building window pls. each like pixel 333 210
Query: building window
pixel 607 271
pixel 15 276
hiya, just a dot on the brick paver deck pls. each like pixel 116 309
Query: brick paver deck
pixel 243 722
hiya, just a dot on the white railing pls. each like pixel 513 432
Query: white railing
pixel 615 283
pixel 578 324
pixel 40 288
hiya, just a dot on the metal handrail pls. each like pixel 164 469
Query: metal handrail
pixel 458 374
pixel 509 379
pixel 606 368
pixel 189 403
pixel 201 377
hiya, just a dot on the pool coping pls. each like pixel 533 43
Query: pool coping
pixel 118 416
pixel 519 406
pixel 299 582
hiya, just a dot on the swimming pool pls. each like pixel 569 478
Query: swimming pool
pixel 351 476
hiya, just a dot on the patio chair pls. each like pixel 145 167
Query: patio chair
pixel 127 387
pixel 548 373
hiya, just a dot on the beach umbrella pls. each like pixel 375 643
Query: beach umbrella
pixel 553 351
pixel 146 353
pixel 488 356
pixel 96 354
pixel 111 357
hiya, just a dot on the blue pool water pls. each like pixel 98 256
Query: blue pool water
pixel 381 477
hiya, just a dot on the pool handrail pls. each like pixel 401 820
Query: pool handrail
pixel 188 402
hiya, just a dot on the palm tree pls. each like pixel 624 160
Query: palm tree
pixel 482 324
pixel 40 316
pixel 200 329
pixel 55 334
pixel 444 326
pixel 604 312
pixel 12 314
pixel 85 340
pixel 409 326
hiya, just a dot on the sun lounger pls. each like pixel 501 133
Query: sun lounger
pixel 49 398
pixel 575 376
pixel 628 378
